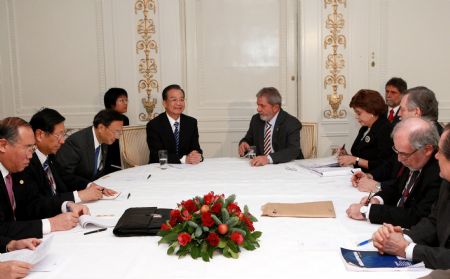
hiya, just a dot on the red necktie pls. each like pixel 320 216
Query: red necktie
pixel 391 115
pixel 9 188
pixel 407 190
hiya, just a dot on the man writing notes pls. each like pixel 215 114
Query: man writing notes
pixel 274 132
pixel 410 197
pixel 174 131
pixel 83 155
pixel 429 240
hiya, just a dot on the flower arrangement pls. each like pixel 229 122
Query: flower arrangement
pixel 202 225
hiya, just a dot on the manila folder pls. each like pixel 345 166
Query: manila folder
pixel 320 209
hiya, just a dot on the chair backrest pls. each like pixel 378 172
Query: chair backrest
pixel 133 146
pixel 308 140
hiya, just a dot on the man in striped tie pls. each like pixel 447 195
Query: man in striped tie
pixel 274 132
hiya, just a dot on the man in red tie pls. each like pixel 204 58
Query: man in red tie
pixel 395 89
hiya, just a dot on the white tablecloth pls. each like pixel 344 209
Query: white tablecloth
pixel 290 247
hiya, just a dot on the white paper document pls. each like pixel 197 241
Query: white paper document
pixel 113 197
pixel 27 255
pixel 102 222
pixel 330 161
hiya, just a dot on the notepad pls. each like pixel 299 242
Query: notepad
pixel 87 220
pixel 319 209
pixel 27 255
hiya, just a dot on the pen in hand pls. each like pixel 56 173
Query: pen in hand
pixel 371 194
pixel 95 231
pixel 364 242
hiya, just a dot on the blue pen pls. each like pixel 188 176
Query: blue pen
pixel 364 242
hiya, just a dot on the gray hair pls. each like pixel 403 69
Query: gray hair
pixel 421 132
pixel 446 146
pixel 424 99
pixel 9 128
pixel 272 95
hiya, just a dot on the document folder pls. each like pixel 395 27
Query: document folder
pixel 320 209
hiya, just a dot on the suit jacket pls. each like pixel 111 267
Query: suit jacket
pixel 160 137
pixel 11 229
pixel 418 204
pixel 113 155
pixel 77 159
pixel 376 146
pixel 34 196
pixel 285 137
pixel 432 233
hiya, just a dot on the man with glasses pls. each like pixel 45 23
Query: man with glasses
pixel 43 173
pixel 16 149
pixel 83 155
pixel 428 241
pixel 410 197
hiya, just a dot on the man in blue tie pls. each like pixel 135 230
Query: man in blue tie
pixel 174 131
pixel 274 132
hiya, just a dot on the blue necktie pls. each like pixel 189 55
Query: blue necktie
pixel 97 153
pixel 176 133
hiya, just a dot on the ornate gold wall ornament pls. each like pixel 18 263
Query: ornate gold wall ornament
pixel 335 61
pixel 145 47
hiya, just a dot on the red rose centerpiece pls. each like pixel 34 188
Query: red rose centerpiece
pixel 203 225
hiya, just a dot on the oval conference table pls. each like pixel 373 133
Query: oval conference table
pixel 290 247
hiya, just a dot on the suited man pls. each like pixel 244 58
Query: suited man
pixel 16 149
pixel 410 198
pixel 42 175
pixel 174 131
pixel 429 240
pixel 395 89
pixel 82 157
pixel 274 132
pixel 417 102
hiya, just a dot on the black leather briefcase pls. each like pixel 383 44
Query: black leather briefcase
pixel 138 221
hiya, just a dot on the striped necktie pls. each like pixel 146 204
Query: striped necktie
pixel 268 139
pixel 97 154
pixel 49 174
pixel 413 177
pixel 176 133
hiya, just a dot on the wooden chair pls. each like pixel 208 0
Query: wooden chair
pixel 133 146
pixel 308 140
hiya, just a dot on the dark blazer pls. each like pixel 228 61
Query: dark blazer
pixel 34 197
pixel 376 146
pixel 432 233
pixel 77 159
pixel 11 229
pixel 160 137
pixel 285 137
pixel 419 202
pixel 113 155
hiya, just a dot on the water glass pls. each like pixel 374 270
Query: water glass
pixel 163 159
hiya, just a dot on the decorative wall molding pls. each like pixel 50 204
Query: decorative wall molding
pixel 335 61
pixel 147 48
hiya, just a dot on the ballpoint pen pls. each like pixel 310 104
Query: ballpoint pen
pixel 150 175
pixel 129 194
pixel 364 242
pixel 95 231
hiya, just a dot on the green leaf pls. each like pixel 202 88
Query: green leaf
pixel 245 209
pixel 226 253
pixel 233 246
pixel 233 254
pixel 249 246
pixel 239 231
pixel 233 221
pixel 195 251
pixel 192 224
pixel 171 250
pixel 198 232
pixel 256 234
pixel 225 215
pixel 230 199
pixel 222 244
pixel 218 222
pixel 252 218
pixel 205 256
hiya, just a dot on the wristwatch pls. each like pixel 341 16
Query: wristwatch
pixel 377 187
pixel 363 211
pixel 357 161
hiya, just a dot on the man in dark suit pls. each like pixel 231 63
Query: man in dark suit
pixel 410 198
pixel 417 102
pixel 42 176
pixel 274 132
pixel 429 240
pixel 82 157
pixel 16 149
pixel 395 89
pixel 174 131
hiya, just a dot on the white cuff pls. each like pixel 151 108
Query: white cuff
pixel 64 207
pixel 76 197
pixel 270 159
pixel 368 212
pixel 380 199
pixel 183 159
pixel 46 227
pixel 409 251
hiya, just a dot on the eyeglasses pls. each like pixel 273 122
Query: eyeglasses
pixel 59 136
pixel 404 154
pixel 116 133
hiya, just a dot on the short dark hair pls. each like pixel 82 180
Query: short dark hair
pixel 170 87
pixel 112 95
pixel 46 119
pixel 106 117
pixel 9 128
pixel 424 99
pixel 446 146
pixel 370 101
pixel 272 94
pixel 398 83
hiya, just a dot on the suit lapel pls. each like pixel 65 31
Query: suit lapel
pixel 90 151
pixel 5 203
pixel 35 163
pixel 276 130
pixel 169 132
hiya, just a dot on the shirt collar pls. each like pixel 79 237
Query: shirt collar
pixel 172 121
pixel 395 109
pixel 42 158
pixel 273 120
pixel 4 171
pixel 96 143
